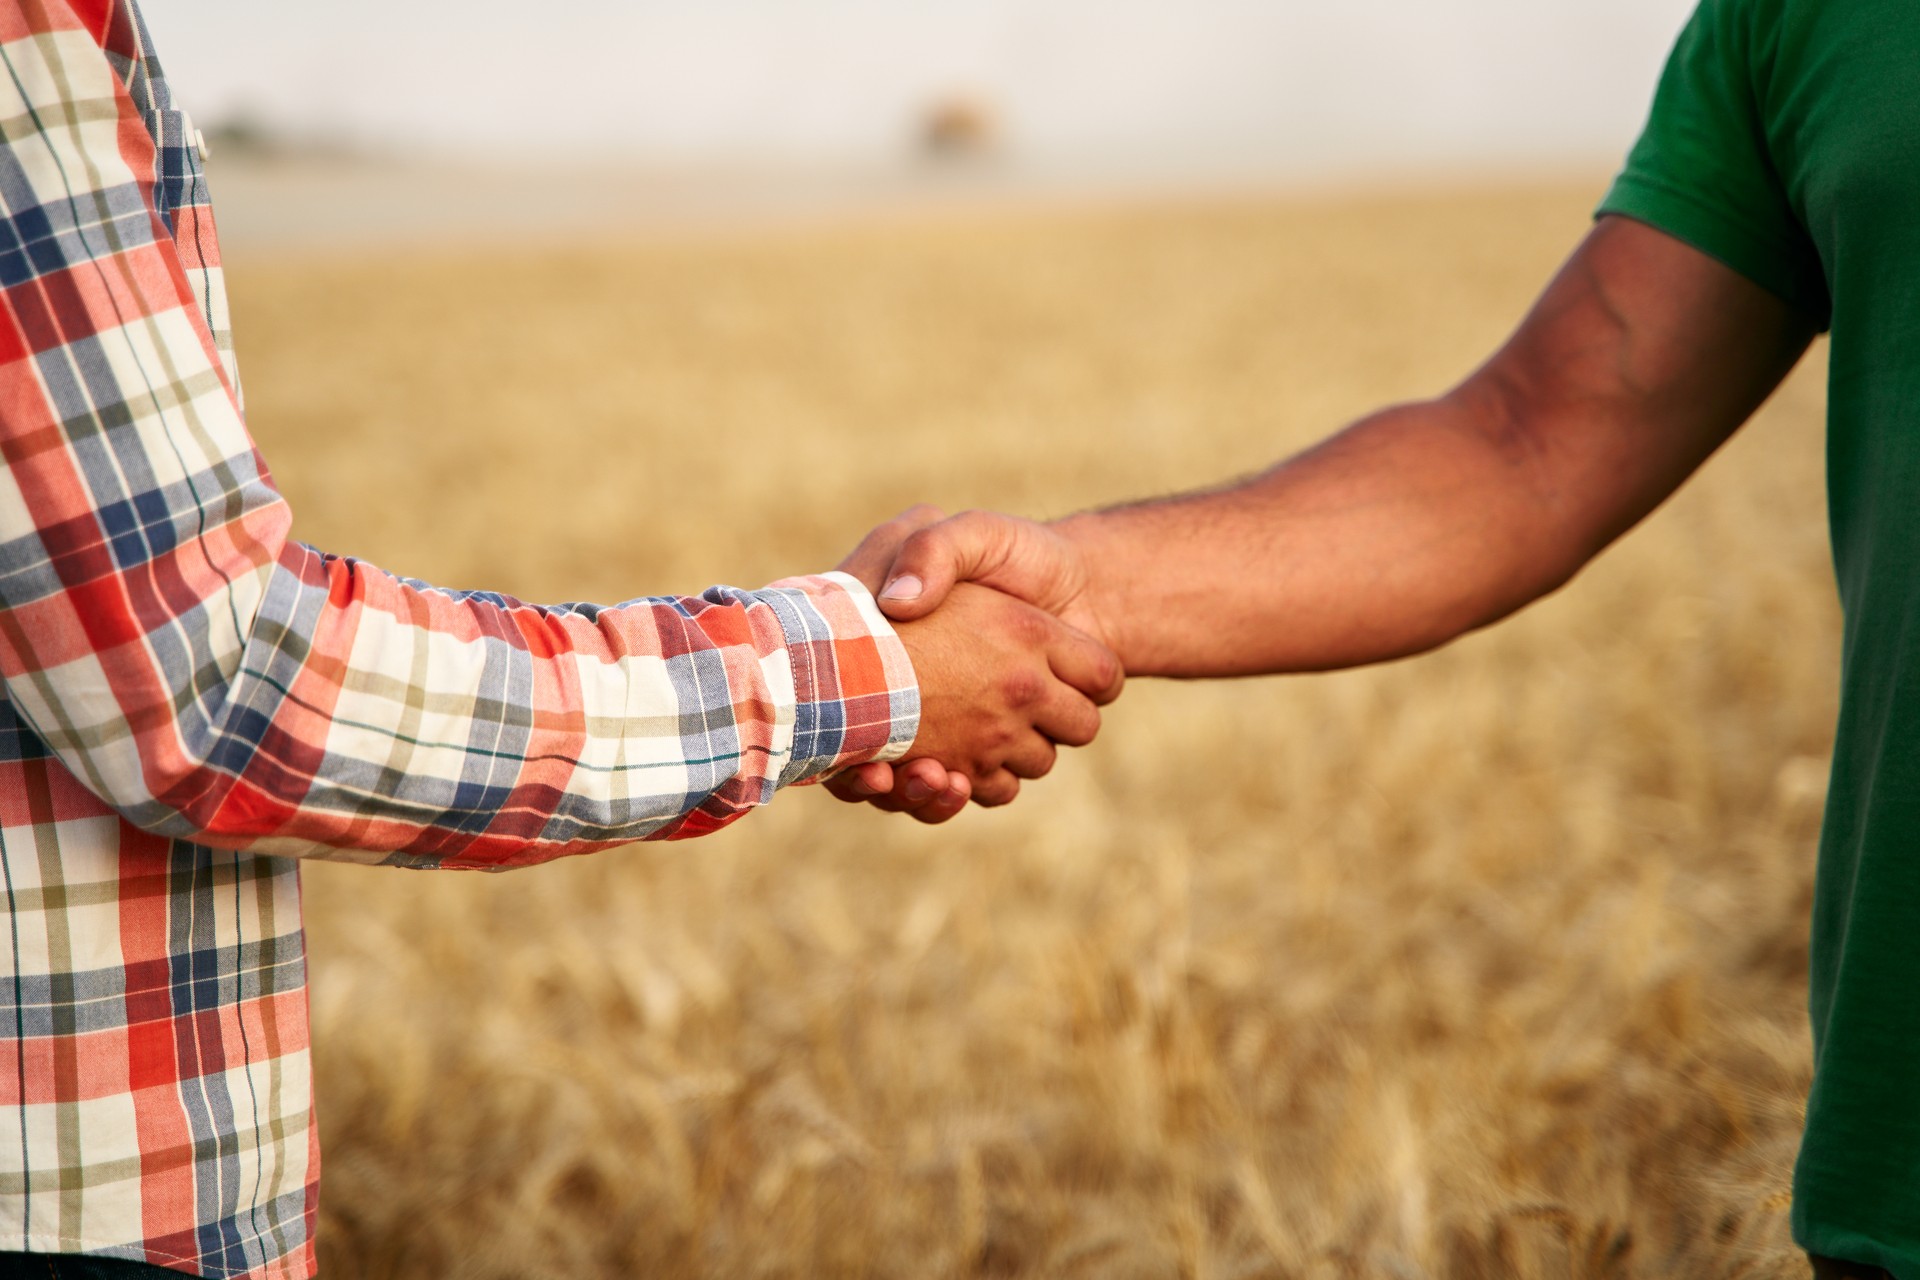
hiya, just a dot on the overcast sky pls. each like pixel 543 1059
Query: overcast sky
pixel 1300 84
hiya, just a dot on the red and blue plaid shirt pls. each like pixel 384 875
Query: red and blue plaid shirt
pixel 193 700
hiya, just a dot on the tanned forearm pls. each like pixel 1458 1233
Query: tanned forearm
pixel 1402 532
pixel 1428 520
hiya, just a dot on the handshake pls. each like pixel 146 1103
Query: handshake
pixel 1013 655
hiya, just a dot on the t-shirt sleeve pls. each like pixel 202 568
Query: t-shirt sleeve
pixel 1703 171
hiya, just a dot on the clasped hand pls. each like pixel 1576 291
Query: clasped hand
pixel 1010 657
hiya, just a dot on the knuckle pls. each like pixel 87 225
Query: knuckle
pixel 977 526
pixel 923 543
pixel 1023 688
pixel 1031 628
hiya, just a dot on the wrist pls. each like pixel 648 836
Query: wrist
pixel 1101 606
pixel 856 698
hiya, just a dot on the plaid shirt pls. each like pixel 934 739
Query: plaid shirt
pixel 188 689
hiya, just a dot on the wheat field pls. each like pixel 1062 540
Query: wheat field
pixel 1489 963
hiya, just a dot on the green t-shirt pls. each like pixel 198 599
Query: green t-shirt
pixel 1785 141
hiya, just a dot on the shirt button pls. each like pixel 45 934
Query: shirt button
pixel 200 145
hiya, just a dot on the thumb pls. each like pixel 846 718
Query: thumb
pixel 870 560
pixel 968 547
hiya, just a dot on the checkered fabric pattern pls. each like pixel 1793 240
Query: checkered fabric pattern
pixel 193 700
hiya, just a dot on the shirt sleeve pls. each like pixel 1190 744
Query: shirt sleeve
pixel 1703 170
pixel 214 680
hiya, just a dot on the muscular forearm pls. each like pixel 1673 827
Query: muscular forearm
pixel 1428 520
pixel 1402 532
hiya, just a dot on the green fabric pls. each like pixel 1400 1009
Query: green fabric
pixel 1785 141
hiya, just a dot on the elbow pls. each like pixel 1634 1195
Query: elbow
pixel 158 784
pixel 142 762
pixel 1540 530
pixel 201 805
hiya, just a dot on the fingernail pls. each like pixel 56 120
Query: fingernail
pixel 917 791
pixel 861 787
pixel 904 587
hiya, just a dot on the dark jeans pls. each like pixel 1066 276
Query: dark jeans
pixel 70 1266
pixel 1834 1269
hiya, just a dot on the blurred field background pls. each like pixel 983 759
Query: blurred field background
pixel 1489 964
pixel 1485 964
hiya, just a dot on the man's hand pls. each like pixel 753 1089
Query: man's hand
pixel 912 561
pixel 1001 682
pixel 922 787
pixel 1035 562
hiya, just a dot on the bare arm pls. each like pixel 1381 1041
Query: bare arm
pixel 1424 521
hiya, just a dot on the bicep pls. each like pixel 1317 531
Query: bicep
pixel 1638 361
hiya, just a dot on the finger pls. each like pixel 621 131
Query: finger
pixel 916 784
pixel 861 783
pixel 1086 664
pixel 1067 716
pixel 967 547
pixel 870 560
pixel 918 781
pixel 1032 757
pixel 997 788
pixel 947 804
